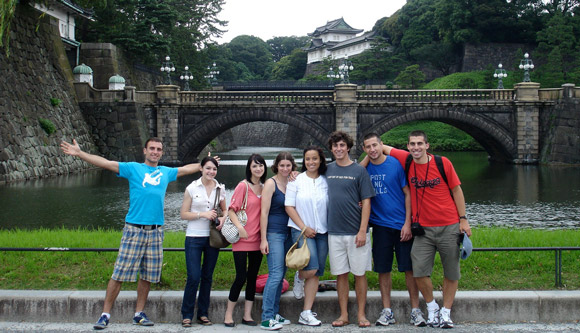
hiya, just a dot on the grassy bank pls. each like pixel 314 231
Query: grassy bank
pixel 441 136
pixel 91 270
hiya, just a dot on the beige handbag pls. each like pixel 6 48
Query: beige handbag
pixel 298 257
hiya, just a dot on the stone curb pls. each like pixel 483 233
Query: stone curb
pixel 164 306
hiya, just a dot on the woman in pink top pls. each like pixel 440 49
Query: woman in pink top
pixel 247 250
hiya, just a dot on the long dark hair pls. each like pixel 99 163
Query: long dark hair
pixel 258 159
pixel 322 167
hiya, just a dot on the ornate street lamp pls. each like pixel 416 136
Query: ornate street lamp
pixel 526 64
pixel 186 76
pixel 167 67
pixel 500 73
pixel 212 74
pixel 331 75
pixel 343 70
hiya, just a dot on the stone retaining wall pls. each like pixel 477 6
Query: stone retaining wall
pixel 37 82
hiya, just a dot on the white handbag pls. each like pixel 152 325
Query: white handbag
pixel 229 229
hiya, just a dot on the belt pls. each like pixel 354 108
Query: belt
pixel 144 226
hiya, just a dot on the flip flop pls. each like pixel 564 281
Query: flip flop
pixel 186 323
pixel 204 321
pixel 340 323
pixel 364 323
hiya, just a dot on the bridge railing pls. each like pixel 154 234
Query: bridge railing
pixel 190 97
pixel 435 95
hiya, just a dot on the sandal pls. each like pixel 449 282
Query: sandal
pixel 364 323
pixel 186 322
pixel 204 321
pixel 340 323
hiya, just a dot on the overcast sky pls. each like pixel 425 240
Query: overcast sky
pixel 273 18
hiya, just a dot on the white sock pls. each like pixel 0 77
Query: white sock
pixel 388 309
pixel 137 313
pixel 432 305
pixel 306 311
pixel 106 314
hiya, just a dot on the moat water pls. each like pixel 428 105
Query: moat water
pixel 506 195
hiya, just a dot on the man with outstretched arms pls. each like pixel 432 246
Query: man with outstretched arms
pixel 141 249
pixel 390 220
pixel 438 206
pixel 348 234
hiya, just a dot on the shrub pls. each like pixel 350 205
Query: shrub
pixel 55 101
pixel 47 125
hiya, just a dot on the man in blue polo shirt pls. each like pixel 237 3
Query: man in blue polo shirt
pixel 141 249
pixel 391 222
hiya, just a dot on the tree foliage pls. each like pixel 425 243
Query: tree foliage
pixel 283 46
pixel 410 78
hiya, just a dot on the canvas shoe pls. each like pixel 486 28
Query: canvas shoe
pixel 101 323
pixel 142 320
pixel 309 318
pixel 385 318
pixel 282 320
pixel 433 316
pixel 270 325
pixel 417 318
pixel 445 318
pixel 298 288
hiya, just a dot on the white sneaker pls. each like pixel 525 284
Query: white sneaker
pixel 445 318
pixel 417 318
pixel 282 320
pixel 309 318
pixel 385 318
pixel 433 316
pixel 298 288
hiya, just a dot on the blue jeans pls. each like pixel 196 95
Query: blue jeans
pixel 279 244
pixel 196 272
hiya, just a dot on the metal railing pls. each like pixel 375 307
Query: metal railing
pixel 435 95
pixel 557 253
pixel 256 96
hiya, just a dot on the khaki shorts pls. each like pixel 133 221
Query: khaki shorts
pixel 444 240
pixel 345 257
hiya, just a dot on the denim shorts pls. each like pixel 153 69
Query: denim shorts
pixel 318 247
pixel 141 251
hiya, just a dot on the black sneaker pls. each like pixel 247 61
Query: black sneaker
pixel 141 319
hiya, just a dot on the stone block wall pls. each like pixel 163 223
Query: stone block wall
pixel 560 130
pixel 106 60
pixel 37 83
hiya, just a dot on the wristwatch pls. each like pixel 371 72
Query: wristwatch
pixel 463 217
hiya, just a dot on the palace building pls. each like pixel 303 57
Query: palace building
pixel 337 40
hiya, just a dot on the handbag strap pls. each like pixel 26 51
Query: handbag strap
pixel 245 203
pixel 217 197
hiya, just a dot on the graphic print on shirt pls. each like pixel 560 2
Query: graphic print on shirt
pixel 378 184
pixel 420 183
pixel 153 178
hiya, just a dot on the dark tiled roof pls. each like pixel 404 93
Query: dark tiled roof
pixel 338 25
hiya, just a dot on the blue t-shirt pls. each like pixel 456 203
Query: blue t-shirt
pixel 147 186
pixel 277 216
pixel 388 205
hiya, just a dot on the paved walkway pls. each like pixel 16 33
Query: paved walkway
pixel 70 327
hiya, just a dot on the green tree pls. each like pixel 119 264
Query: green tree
pixel 254 53
pixel 149 30
pixel 283 46
pixel 411 77
pixel 558 49
pixel 379 62
pixel 290 67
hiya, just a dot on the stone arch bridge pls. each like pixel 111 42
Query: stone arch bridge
pixel 505 122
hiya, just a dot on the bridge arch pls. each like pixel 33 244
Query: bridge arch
pixel 494 137
pixel 197 137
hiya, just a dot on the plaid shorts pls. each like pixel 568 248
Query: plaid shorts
pixel 141 251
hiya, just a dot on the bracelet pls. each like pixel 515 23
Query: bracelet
pixel 198 215
pixel 463 217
